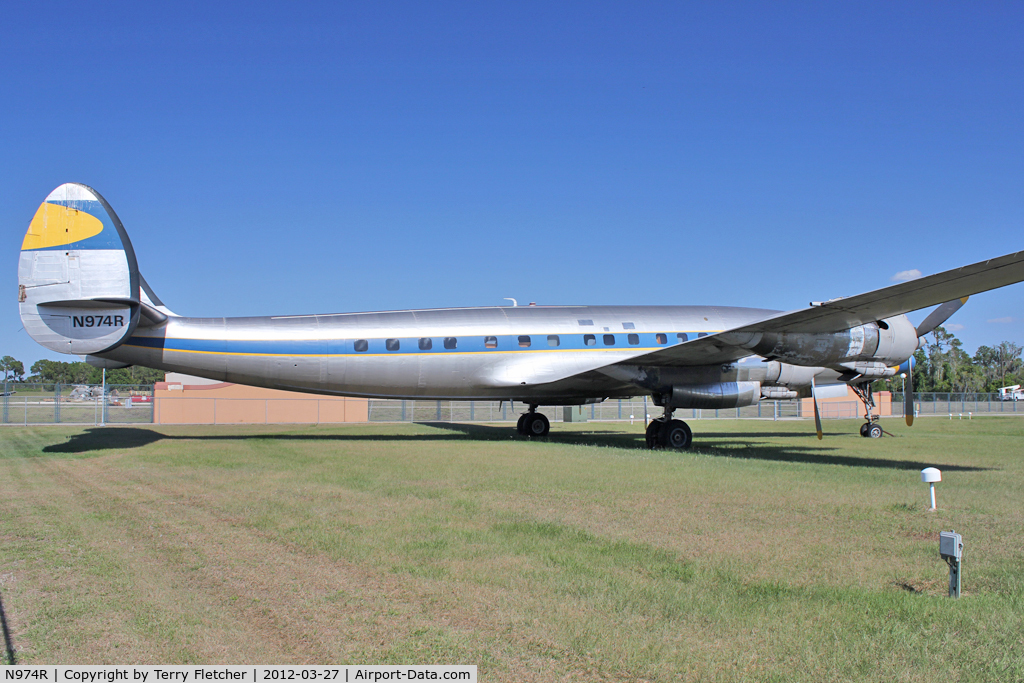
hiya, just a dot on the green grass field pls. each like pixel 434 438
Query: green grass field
pixel 762 554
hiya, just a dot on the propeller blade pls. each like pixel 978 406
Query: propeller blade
pixel 939 316
pixel 817 415
pixel 908 393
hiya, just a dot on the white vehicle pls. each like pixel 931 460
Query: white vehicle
pixel 1011 393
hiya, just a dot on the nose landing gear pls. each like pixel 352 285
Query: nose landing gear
pixel 533 423
pixel 870 429
pixel 665 432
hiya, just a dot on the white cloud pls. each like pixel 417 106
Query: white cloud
pixel 1007 319
pixel 953 327
pixel 906 275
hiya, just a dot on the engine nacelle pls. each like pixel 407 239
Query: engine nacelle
pixel 730 385
pixel 789 375
pixel 890 342
pixel 717 395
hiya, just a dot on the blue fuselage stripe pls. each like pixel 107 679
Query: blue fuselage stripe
pixel 406 345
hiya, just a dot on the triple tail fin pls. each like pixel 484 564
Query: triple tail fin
pixel 79 287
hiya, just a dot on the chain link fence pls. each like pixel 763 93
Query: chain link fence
pixel 633 409
pixel 76 404
pixel 133 404
pixel 952 405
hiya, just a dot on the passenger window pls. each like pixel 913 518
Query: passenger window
pixel 490 342
pixel 683 336
pixel 426 343
pixel 392 344
pixel 589 340
pixel 524 341
pixel 450 342
pixel 628 326
pixel 361 345
pixel 701 334
pixel 661 338
pixel 634 338
pixel 609 340
pixel 553 340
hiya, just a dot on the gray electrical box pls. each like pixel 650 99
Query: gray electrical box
pixel 573 414
pixel 951 545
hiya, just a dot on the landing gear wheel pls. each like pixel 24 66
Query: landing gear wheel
pixel 874 431
pixel 676 434
pixel 652 433
pixel 521 425
pixel 538 425
pixel 864 429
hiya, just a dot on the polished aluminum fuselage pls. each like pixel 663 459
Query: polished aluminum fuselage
pixel 534 354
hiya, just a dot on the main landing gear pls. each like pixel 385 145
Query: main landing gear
pixel 533 423
pixel 870 429
pixel 665 432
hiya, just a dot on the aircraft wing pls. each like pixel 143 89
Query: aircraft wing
pixel 842 314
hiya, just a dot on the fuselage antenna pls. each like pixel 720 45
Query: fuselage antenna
pixel 514 302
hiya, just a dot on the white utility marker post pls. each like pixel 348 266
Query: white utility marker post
pixel 930 475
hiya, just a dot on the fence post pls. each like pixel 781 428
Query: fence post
pixel 56 402
pixel 7 400
pixel 472 411
pixel 438 411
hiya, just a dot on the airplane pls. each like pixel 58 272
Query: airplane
pixel 80 292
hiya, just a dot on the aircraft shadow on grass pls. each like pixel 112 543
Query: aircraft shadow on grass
pixel 730 445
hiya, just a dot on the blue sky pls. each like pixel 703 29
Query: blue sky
pixel 275 158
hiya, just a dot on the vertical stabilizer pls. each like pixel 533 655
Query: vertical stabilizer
pixel 78 280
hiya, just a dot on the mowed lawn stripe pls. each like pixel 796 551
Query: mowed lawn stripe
pixel 762 554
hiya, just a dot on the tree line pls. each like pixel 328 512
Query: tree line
pixel 942 365
pixel 79 372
